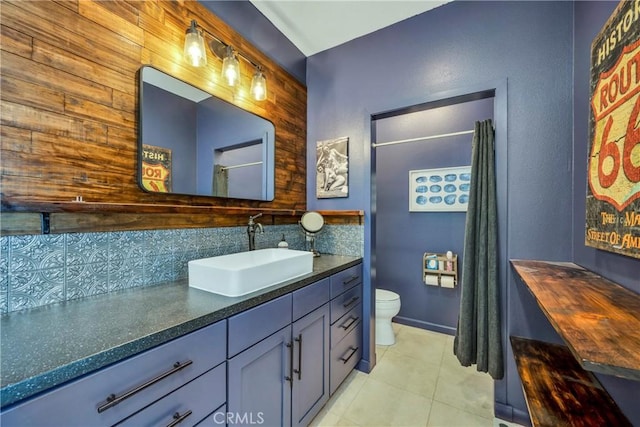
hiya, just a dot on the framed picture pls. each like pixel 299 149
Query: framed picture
pixel 156 169
pixel 332 168
pixel 612 206
pixel 439 190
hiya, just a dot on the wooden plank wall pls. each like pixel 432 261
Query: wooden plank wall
pixel 69 108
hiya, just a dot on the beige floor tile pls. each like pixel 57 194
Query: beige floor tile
pixel 345 394
pixel 380 351
pixel 465 389
pixel 325 418
pixel 424 345
pixel 407 373
pixel 450 360
pixel 343 422
pixel 398 391
pixel 396 327
pixel 443 415
pixel 380 404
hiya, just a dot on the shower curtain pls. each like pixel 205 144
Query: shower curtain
pixel 478 337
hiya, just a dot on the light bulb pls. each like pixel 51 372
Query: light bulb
pixel 259 86
pixel 194 51
pixel 230 67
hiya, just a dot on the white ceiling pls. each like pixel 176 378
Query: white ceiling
pixel 317 25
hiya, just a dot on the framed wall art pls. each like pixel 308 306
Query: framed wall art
pixel 613 171
pixel 156 169
pixel 332 168
pixel 439 190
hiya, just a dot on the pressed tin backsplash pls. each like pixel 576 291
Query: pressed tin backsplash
pixel 37 270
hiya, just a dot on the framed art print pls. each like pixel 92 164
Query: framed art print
pixel 332 168
pixel 439 190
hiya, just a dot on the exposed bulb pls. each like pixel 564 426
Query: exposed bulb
pixel 230 68
pixel 259 86
pixel 194 50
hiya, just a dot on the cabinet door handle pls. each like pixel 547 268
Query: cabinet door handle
pixel 350 280
pixel 113 400
pixel 177 418
pixel 290 376
pixel 350 321
pixel 299 370
pixel 354 350
pixel 350 302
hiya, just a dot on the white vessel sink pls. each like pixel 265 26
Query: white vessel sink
pixel 239 274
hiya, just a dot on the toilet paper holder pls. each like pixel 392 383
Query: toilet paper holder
pixel 440 269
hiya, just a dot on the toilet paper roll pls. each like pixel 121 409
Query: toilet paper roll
pixel 431 279
pixel 447 281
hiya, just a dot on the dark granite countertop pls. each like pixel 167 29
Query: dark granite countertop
pixel 47 346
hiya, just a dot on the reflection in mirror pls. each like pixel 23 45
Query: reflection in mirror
pixel 193 143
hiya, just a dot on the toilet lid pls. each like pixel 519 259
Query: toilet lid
pixel 384 295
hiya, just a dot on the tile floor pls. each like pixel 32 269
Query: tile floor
pixel 418 381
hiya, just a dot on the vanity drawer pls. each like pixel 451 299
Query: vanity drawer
pixel 344 357
pixel 346 279
pixel 253 325
pixel 346 324
pixel 136 382
pixel 309 298
pixel 345 302
pixel 191 402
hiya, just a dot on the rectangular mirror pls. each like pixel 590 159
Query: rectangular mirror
pixel 192 143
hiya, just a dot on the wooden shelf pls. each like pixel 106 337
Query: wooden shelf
pixel 558 391
pixel 52 216
pixel 598 319
pixel 436 265
pixel 52 206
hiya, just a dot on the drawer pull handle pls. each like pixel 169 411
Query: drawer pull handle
pixel 350 280
pixel 350 302
pixel 177 418
pixel 346 325
pixel 113 400
pixel 354 350
pixel 299 370
pixel 290 376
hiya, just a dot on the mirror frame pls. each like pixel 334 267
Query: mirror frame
pixel 268 151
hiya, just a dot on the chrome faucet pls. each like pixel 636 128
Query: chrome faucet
pixel 251 230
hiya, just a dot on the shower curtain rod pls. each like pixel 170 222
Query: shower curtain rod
pixel 424 138
pixel 240 166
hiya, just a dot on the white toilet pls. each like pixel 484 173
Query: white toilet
pixel 387 306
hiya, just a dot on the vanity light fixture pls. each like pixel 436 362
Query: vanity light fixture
pixel 195 55
pixel 259 85
pixel 230 67
pixel 194 50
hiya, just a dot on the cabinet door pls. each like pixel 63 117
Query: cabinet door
pixel 310 365
pixel 259 392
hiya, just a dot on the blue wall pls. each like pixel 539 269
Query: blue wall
pixel 472 45
pixel 170 122
pixel 247 20
pixel 402 237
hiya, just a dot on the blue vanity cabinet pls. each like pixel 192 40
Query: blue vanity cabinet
pixel 259 378
pixel 310 366
pixel 187 405
pixel 283 379
pixel 184 366
pixel 259 361
pixel 346 324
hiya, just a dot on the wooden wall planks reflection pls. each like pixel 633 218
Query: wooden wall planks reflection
pixel 69 105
